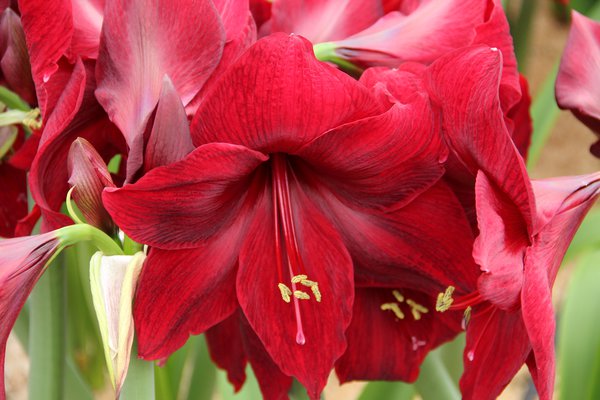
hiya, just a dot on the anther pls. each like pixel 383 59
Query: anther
pixel 416 309
pixel 466 318
pixel 299 278
pixel 393 307
pixel 398 296
pixel 316 292
pixel 444 300
pixel 285 292
pixel 299 294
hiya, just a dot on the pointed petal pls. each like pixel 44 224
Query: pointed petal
pixel 578 76
pixel 293 98
pixel 22 262
pixel 465 84
pixel 383 160
pixel 137 51
pixel 375 334
pixel 323 323
pixel 226 346
pixel 500 247
pixel 170 139
pixel 89 175
pixel 497 346
pixel 398 37
pixel 182 204
pixel 113 281
pixel 234 16
pixel 324 20
pixel 183 292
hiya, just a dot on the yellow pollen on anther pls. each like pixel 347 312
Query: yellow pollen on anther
pixel 393 307
pixel 316 292
pixel 398 296
pixel 299 278
pixel 308 283
pixel 444 300
pixel 416 309
pixel 467 316
pixel 32 120
pixel 299 294
pixel 285 292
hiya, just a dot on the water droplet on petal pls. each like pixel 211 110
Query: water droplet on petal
pixel 46 78
pixel 470 355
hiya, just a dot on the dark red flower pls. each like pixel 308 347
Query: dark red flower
pixel 302 183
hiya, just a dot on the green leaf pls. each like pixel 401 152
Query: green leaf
pixel 578 339
pixel 544 113
pixel 201 372
pixel 75 386
pixel 139 384
pixel 388 390
pixel 587 236
pixel 434 382
pixel 249 391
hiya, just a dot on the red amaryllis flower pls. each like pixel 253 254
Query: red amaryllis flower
pixel 578 77
pixel 22 261
pixel 303 182
pixel 512 316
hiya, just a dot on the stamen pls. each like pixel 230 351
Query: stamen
pixel 299 294
pixel 444 300
pixel 393 307
pixel 398 296
pixel 285 292
pixel 416 309
pixel 316 292
pixel 466 318
pixel 299 278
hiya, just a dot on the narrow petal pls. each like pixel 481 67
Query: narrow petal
pixel 15 61
pixel 324 20
pixel 113 281
pixel 182 204
pixel 48 27
pixel 292 99
pixel 170 139
pixel 497 346
pixel 226 345
pixel 89 176
pixel 383 160
pixel 274 384
pixel 465 84
pixel 578 76
pixel 500 247
pixel 408 331
pixel 137 50
pixel 320 325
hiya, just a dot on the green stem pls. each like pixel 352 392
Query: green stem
pixel 434 381
pixel 139 384
pixel 87 233
pixel 12 100
pixel 326 52
pixel 47 336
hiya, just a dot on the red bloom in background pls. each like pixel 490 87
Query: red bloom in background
pixel 303 184
pixel 579 76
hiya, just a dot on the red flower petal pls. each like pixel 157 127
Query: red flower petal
pixel 323 20
pixel 383 160
pixel 183 292
pixel 465 85
pixel 496 348
pixel 383 346
pixel 579 76
pixel 288 98
pixel 182 204
pixel 87 24
pixel 170 139
pixel 141 42
pixel 323 323
pixel 13 199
